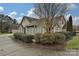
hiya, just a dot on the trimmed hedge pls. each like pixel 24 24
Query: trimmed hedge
pixel 27 38
pixel 23 37
pixel 17 35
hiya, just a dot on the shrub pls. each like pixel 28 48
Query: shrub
pixel 50 38
pixel 23 37
pixel 59 38
pixel 69 34
pixel 17 35
pixel 73 33
pixel 27 38
pixel 47 38
pixel 37 37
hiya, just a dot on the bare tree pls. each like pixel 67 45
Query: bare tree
pixel 49 11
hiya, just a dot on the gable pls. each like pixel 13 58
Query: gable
pixel 25 23
pixel 59 21
pixel 56 26
pixel 28 21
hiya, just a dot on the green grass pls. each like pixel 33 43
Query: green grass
pixel 73 43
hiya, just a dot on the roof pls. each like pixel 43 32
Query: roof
pixel 40 22
pixel 30 19
pixel 33 21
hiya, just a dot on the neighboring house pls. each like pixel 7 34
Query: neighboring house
pixel 14 28
pixel 30 25
pixel 5 23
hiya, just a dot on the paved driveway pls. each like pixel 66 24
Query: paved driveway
pixel 9 47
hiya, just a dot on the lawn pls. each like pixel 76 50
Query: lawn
pixel 73 43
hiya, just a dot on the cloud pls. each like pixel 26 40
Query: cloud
pixel 1 10
pixel 30 13
pixel 71 6
pixel 19 19
pixel 13 14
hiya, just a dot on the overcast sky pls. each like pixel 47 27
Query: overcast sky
pixel 17 10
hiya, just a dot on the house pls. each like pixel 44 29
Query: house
pixel 6 23
pixel 20 28
pixel 59 24
pixel 30 25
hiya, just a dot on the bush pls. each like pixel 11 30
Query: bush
pixel 37 37
pixel 27 38
pixel 23 37
pixel 47 38
pixel 74 33
pixel 50 38
pixel 17 35
pixel 69 34
pixel 59 38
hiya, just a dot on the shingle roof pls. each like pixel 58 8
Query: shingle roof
pixel 39 22
pixel 30 18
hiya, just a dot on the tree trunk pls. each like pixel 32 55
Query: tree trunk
pixel 48 26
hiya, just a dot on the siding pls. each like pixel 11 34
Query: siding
pixel 33 30
pixel 21 29
pixel 25 22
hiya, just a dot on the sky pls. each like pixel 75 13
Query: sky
pixel 18 10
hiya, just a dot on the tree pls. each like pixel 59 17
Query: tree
pixel 48 11
pixel 70 24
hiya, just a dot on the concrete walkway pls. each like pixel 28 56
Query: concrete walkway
pixel 3 35
pixel 9 47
